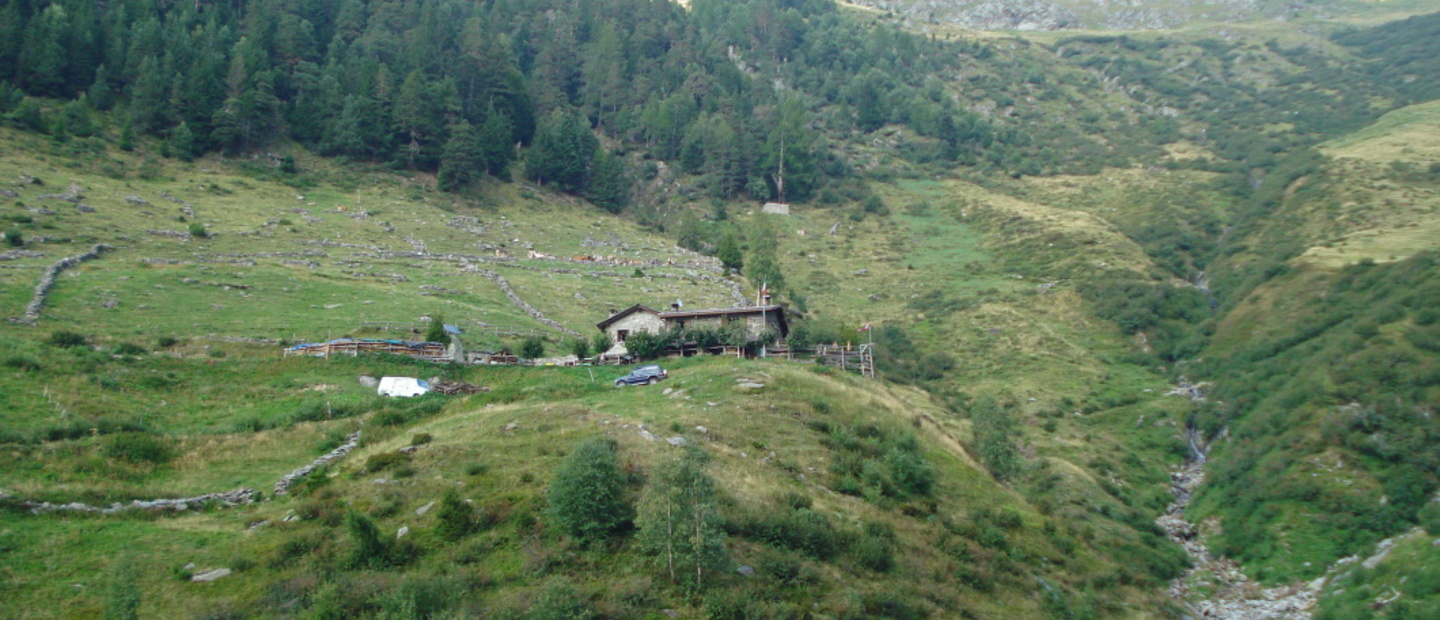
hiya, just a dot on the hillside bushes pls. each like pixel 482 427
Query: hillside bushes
pixel 1341 376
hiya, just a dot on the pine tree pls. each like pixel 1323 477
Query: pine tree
pixel 463 159
pixel 729 253
pixel 148 94
pixel 497 142
pixel 679 521
pixel 587 496
pixel 183 143
pixel 102 94
pixel 43 58
pixel 608 185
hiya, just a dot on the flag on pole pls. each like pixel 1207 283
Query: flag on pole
pixel 865 327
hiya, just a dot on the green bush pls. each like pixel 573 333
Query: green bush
pixel 532 347
pixel 436 331
pixel 67 339
pixel 138 448
pixel 369 548
pixel 14 238
pixel 129 348
pixel 385 460
pixel 645 346
pixel 21 362
pixel 198 231
pixel 165 342
pixel 580 348
pixel 559 601
pixel 587 497
pixel 600 343
pixel 455 518
pixel 732 605
pixel 809 532
pixel 874 553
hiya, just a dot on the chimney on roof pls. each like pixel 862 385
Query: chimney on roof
pixel 675 305
pixel 614 312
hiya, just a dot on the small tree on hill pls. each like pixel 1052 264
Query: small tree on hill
pixel 729 253
pixel 436 331
pixel 532 347
pixel 994 431
pixel 587 497
pixel 369 550
pixel 601 343
pixel 580 348
pixel 644 345
pixel 456 518
pixel 679 521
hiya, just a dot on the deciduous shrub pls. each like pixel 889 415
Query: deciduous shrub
pixel 587 496
pixel 67 339
pixel 138 448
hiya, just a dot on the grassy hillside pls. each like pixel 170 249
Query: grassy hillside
pixel 315 254
pixel 966 547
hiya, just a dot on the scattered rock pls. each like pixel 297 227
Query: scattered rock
pixel 749 385
pixel 510 427
pixel 702 430
pixel 677 441
pixel 210 575
pixel 647 435
pixel 83 208
pixel 136 200
pixel 748 571
pixel 404 529
pixel 368 381
pixel 9 193
pixel 255 525
pixel 424 509
pixel 110 303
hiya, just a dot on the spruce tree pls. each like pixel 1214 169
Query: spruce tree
pixel 497 142
pixel 183 143
pixel 729 253
pixel 608 186
pixel 463 159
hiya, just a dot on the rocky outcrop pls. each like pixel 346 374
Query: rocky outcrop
pixel 47 280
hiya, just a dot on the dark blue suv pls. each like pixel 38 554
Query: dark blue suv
pixel 647 375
